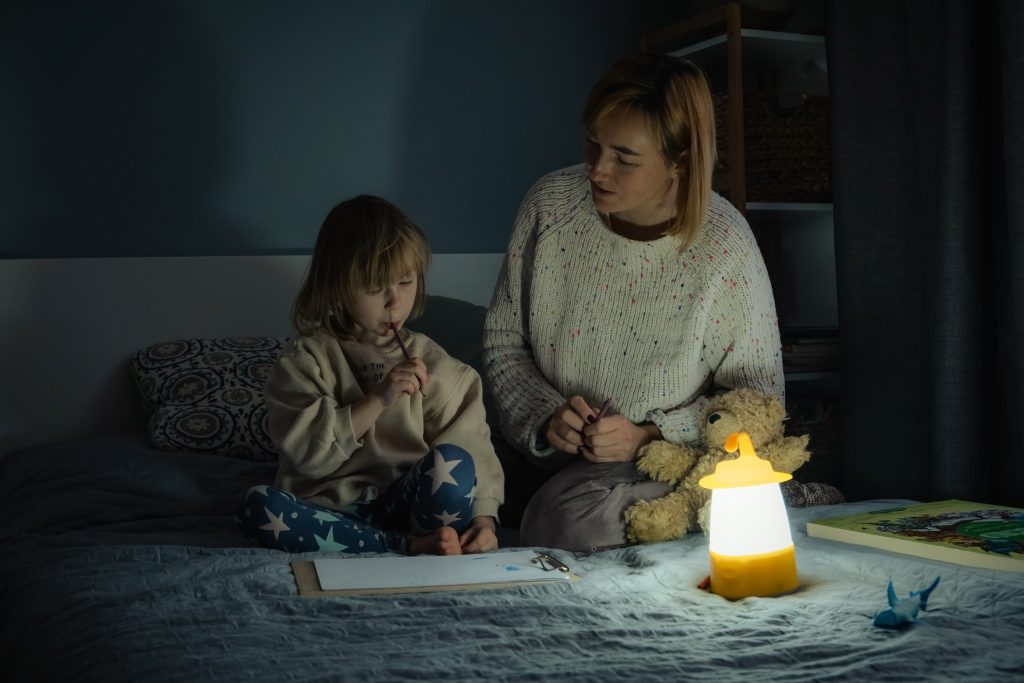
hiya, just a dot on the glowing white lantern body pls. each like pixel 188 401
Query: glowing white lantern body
pixel 751 547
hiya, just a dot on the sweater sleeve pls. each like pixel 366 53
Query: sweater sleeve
pixel 747 339
pixel 680 425
pixel 311 430
pixel 460 419
pixel 753 356
pixel 524 397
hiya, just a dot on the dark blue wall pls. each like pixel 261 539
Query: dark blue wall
pixel 231 127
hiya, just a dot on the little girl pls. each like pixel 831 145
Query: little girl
pixel 382 438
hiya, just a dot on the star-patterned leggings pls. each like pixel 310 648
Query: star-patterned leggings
pixel 437 491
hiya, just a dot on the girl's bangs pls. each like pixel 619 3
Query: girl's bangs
pixel 393 262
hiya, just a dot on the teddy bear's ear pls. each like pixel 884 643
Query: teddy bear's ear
pixel 715 403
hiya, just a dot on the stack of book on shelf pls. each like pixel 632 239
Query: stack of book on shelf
pixel 810 353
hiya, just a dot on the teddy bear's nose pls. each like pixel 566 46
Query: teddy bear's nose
pixel 713 418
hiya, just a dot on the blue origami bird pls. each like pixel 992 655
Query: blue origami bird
pixel 903 611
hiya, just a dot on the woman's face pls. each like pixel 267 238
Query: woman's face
pixel 629 177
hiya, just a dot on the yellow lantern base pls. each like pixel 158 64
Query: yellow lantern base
pixel 762 575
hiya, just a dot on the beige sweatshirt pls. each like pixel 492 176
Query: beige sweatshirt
pixel 579 309
pixel 309 394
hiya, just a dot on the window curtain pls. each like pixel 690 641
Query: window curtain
pixel 927 113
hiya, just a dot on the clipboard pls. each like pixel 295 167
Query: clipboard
pixel 408 577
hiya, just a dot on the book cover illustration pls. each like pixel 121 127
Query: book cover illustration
pixel 952 530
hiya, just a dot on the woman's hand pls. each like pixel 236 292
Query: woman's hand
pixel 615 439
pixel 479 536
pixel 565 428
pixel 612 439
pixel 406 377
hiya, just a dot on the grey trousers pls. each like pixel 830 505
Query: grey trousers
pixel 580 507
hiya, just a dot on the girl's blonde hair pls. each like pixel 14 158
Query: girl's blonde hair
pixel 364 243
pixel 673 96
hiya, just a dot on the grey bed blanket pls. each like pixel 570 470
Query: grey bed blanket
pixel 121 562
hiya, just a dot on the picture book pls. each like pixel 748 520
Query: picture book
pixel 973 534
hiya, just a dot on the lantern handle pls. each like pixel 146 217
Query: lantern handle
pixel 742 441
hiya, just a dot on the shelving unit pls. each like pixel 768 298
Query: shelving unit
pixel 789 210
pixel 773 47
pixel 797 238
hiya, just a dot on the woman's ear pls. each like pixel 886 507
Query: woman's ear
pixel 680 165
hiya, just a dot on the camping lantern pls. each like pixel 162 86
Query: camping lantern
pixel 751 547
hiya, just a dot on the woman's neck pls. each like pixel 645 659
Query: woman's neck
pixel 635 231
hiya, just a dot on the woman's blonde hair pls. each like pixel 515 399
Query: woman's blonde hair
pixel 364 243
pixel 673 96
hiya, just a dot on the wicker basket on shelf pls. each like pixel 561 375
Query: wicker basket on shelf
pixel 788 155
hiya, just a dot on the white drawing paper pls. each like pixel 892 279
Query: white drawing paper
pixel 397 572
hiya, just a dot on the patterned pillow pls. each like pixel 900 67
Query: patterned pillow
pixel 206 395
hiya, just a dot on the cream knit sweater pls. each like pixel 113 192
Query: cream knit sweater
pixel 581 310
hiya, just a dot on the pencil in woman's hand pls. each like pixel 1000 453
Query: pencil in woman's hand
pixel 604 410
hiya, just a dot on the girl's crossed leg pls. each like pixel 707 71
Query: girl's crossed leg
pixel 433 500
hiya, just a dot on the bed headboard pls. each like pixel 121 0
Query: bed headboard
pixel 70 325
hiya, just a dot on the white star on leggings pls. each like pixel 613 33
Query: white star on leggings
pixel 448 517
pixel 276 524
pixel 328 542
pixel 443 472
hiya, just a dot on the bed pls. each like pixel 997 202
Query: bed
pixel 121 561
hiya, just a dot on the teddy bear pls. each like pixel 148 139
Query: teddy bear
pixel 760 415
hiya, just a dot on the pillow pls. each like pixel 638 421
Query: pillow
pixel 206 395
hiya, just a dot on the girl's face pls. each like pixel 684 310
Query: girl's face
pixel 629 177
pixel 375 309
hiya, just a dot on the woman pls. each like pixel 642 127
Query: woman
pixel 628 279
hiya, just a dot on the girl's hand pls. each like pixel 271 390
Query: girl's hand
pixel 479 536
pixel 407 377
pixel 615 439
pixel 565 428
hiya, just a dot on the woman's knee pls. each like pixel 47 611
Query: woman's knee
pixel 581 507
